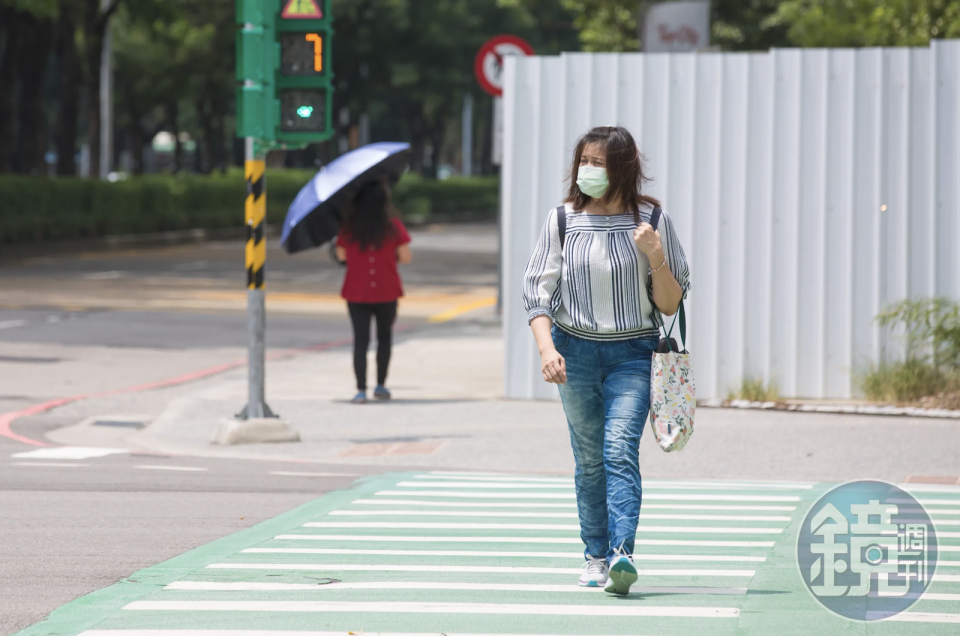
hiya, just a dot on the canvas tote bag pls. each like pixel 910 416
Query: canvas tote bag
pixel 672 395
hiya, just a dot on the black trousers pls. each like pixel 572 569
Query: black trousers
pixel 360 315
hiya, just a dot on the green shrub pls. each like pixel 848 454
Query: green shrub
pixel 931 328
pixel 904 381
pixel 479 196
pixel 39 209
pixel 416 209
pixel 755 390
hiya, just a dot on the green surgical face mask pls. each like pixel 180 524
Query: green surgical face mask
pixel 592 181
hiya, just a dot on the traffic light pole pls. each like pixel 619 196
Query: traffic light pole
pixel 256 207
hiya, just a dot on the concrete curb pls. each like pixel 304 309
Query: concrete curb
pixel 11 253
pixel 849 409
pixel 254 431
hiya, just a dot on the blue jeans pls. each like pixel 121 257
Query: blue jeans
pixel 606 399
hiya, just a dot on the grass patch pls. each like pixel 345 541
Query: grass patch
pixel 905 381
pixel 755 390
pixel 930 373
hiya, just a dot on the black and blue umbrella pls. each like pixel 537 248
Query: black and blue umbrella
pixel 314 216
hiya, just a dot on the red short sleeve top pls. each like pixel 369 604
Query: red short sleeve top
pixel 372 274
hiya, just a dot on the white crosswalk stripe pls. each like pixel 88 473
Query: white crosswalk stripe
pixel 571 506
pixel 433 608
pixel 494 554
pixel 436 547
pixel 572 496
pixel 413 514
pixel 379 538
pixel 457 569
pixel 528 526
pixel 647 483
pixel 215 586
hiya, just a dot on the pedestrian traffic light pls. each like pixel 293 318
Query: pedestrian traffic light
pixel 283 60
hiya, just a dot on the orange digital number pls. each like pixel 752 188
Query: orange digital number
pixel 317 51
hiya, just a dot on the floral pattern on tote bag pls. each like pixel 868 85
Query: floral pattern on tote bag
pixel 672 400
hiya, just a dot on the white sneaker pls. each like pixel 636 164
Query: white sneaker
pixel 594 573
pixel 622 575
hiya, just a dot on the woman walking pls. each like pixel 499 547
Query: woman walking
pixel 593 299
pixel 371 242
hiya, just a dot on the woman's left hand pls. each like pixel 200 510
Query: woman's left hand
pixel 648 242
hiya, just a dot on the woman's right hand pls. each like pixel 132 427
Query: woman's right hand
pixel 553 366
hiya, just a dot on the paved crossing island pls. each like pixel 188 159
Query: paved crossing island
pixel 468 553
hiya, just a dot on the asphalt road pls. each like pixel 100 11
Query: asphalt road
pixel 455 255
pixel 74 526
pixel 70 527
pixel 164 329
pixel 38 296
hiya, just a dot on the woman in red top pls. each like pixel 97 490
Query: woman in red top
pixel 372 243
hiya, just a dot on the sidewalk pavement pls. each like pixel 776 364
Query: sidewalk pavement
pixel 448 412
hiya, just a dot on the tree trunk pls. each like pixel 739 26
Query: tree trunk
pixel 417 142
pixel 146 141
pixel 436 148
pixel 204 148
pixel 68 93
pixel 484 136
pixel 95 25
pixel 93 46
pixel 173 116
pixel 219 141
pixel 33 122
pixel 136 141
pixel 11 20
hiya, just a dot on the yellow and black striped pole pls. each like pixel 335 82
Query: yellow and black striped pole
pixel 256 208
pixel 256 216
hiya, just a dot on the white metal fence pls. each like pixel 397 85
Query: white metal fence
pixel 810 189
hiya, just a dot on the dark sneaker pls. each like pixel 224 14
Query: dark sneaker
pixel 381 393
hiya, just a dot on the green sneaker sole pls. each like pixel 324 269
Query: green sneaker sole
pixel 622 575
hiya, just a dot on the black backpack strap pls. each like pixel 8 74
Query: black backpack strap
pixel 655 217
pixel 667 343
pixel 562 223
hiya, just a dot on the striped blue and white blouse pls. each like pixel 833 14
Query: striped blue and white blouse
pixel 599 287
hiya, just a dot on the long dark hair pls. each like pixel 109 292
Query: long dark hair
pixel 368 221
pixel 624 170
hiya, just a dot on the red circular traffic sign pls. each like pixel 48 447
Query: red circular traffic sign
pixel 488 65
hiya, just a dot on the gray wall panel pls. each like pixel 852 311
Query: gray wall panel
pixel 775 168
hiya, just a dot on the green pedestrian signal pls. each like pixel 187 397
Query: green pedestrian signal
pixel 283 62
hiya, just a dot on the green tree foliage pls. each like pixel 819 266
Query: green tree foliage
pixel 409 63
pixel 747 25
pixel 614 25
pixel 37 8
pixel 744 25
pixel 869 23
pixel 606 25
pixel 174 62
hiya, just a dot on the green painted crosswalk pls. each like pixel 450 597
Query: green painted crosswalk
pixel 466 553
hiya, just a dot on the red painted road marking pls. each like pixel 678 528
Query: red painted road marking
pixel 7 419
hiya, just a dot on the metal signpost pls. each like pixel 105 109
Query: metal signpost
pixel 284 101
pixel 488 67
